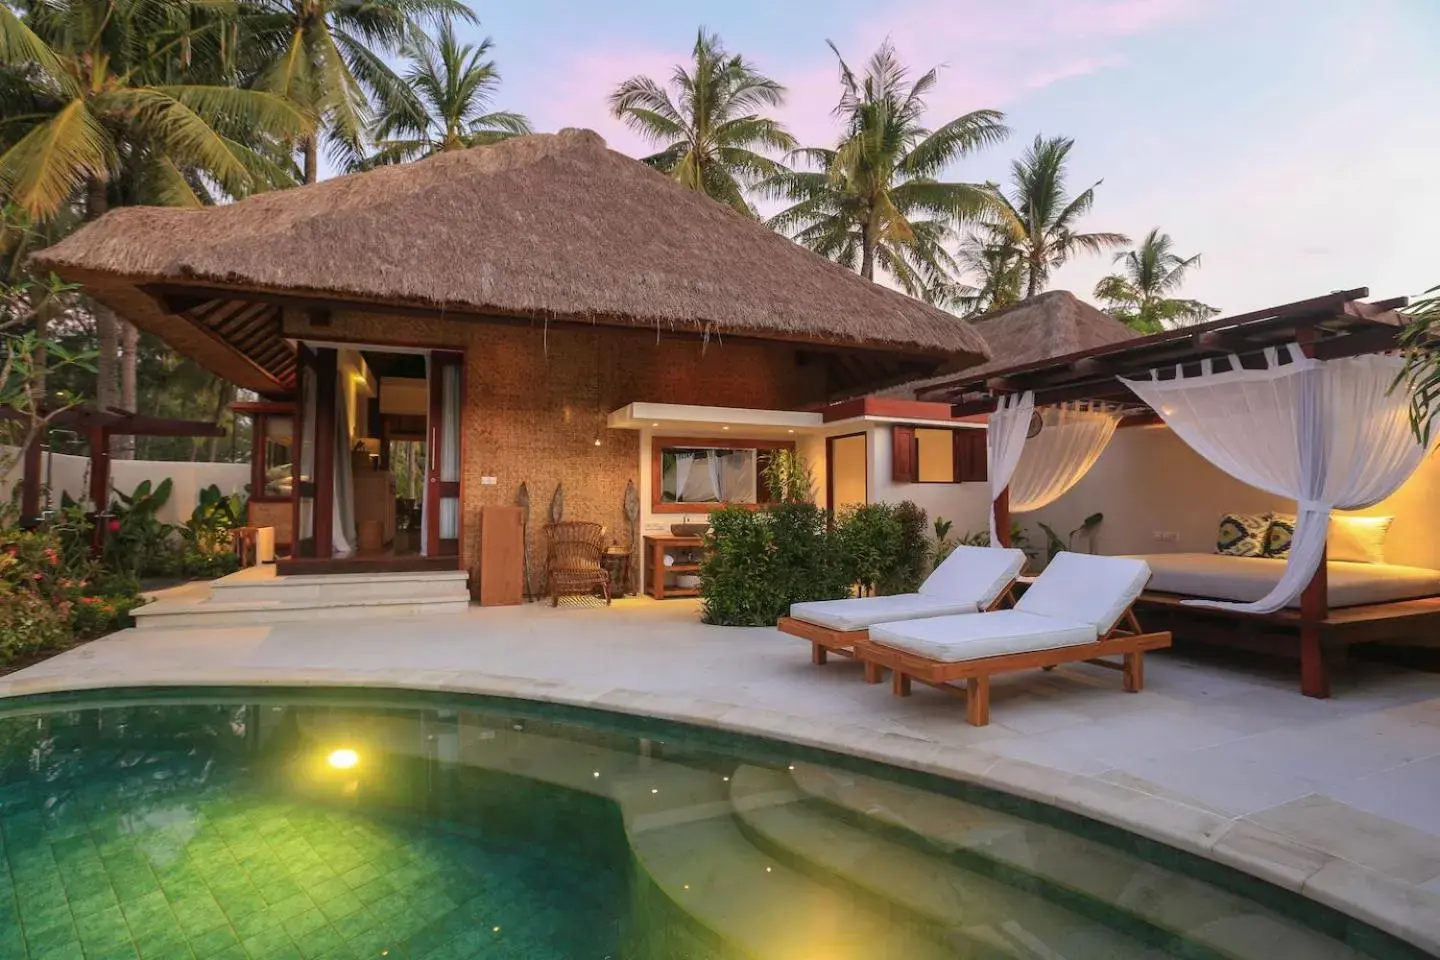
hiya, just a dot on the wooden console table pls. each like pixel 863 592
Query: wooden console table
pixel 656 570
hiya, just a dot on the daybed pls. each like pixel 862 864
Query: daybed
pixel 1245 579
pixel 1078 609
pixel 969 580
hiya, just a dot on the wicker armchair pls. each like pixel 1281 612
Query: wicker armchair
pixel 573 560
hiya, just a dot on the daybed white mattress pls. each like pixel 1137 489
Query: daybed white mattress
pixel 858 613
pixel 1218 577
pixel 952 639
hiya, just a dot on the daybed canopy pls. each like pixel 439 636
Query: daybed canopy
pixel 551 229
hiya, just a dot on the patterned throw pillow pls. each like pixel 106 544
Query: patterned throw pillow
pixel 1243 534
pixel 1277 540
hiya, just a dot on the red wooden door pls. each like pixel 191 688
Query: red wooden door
pixel 443 454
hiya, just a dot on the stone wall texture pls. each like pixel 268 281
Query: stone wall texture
pixel 536 400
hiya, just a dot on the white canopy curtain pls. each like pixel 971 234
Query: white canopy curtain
pixel 449 448
pixel 1004 442
pixel 1329 434
pixel 717 482
pixel 1072 436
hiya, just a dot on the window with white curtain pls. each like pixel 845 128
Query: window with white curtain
pixel 709 475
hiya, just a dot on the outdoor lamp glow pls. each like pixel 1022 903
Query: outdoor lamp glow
pixel 343 759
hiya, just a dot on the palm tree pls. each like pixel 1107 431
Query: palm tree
pixel 97 104
pixel 875 197
pixel 327 55
pixel 93 102
pixel 1041 217
pixel 1140 294
pixel 454 84
pixel 709 125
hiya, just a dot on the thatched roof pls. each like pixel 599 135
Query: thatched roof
pixel 553 226
pixel 1051 324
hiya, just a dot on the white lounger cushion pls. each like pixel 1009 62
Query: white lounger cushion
pixel 860 612
pixel 979 574
pixel 1079 587
pixel 953 639
pixel 969 579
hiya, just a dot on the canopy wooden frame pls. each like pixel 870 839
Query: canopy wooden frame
pixel 1328 327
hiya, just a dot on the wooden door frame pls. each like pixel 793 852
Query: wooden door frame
pixel 830 466
pixel 435 489
pixel 301 546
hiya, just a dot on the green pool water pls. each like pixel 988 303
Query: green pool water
pixel 301 824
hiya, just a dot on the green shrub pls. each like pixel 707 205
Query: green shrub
pixel 138 541
pixel 912 559
pixel 29 623
pixel 758 562
pixel 869 544
pixel 92 617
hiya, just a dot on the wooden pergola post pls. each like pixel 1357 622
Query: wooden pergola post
pixel 99 485
pixel 30 482
pixel 1002 518
pixel 1314 609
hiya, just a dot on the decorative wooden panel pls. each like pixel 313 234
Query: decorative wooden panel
pixel 904 459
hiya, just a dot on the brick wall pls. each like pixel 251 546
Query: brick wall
pixel 536 400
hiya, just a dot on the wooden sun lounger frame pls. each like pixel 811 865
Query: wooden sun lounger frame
pixel 1126 639
pixel 827 640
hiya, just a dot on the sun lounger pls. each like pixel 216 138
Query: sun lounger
pixel 969 580
pixel 1078 609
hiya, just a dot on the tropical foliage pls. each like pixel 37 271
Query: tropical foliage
pixel 328 56
pixel 1040 217
pixel 1421 376
pixel 876 197
pixel 710 124
pixel 1142 293
pixel 451 87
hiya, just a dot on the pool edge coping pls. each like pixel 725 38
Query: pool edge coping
pixel 1402 909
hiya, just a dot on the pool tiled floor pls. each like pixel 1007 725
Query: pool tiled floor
pixel 246 878
pixel 1219 757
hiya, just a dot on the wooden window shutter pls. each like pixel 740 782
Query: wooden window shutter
pixel 970 456
pixel 904 458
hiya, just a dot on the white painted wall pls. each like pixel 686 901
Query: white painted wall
pixel 1148 481
pixel 964 504
pixel 71 474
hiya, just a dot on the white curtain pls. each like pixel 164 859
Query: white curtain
pixel 740 476
pixel 307 452
pixel 717 482
pixel 343 523
pixel 1071 439
pixel 450 448
pixel 1004 442
pixel 1330 435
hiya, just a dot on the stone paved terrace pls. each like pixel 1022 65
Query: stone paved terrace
pixel 1336 798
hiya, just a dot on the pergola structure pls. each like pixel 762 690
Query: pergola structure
pixel 1333 326
pixel 98 424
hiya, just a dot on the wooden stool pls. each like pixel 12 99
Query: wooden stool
pixel 245 542
pixel 371 536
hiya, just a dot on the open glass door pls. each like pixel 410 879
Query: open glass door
pixel 442 501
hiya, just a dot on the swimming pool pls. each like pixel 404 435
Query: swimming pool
pixel 269 824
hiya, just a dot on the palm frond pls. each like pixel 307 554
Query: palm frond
pixel 44 168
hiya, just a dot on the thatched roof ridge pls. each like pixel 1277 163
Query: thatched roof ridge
pixel 554 226
pixel 1050 324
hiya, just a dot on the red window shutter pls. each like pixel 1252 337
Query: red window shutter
pixel 905 463
pixel 970 456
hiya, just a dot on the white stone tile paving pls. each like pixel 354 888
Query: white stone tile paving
pixel 1334 798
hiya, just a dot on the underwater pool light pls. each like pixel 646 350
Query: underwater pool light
pixel 343 759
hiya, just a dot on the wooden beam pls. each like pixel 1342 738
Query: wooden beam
pixel 165 303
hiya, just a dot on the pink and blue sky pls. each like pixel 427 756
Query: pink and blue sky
pixel 1293 143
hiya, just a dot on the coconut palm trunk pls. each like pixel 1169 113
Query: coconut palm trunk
pixel 311 151
pixel 107 329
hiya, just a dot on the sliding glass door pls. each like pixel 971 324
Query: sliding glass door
pixel 442 489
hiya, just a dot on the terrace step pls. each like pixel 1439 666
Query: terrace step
pixel 696 854
pixel 448 584
pixel 1054 863
pixel 980 916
